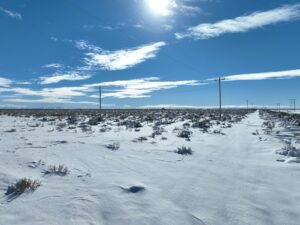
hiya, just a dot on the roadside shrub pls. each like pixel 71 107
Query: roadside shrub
pixel 184 150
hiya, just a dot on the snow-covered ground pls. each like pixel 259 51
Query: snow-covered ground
pixel 229 179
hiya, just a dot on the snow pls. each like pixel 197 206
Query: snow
pixel 229 179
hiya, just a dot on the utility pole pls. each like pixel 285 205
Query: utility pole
pixel 100 99
pixel 278 107
pixel 220 97
pixel 292 104
pixel 247 102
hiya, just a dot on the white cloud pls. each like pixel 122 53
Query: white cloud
pixel 4 82
pixel 53 65
pixel 63 77
pixel 263 76
pixel 242 23
pixel 49 100
pixel 139 88
pixel 53 93
pixel 84 45
pixel 121 59
pixel 138 26
pixel 47 95
pixel 12 14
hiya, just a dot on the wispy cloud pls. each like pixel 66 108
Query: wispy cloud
pixel 243 23
pixel 121 59
pixel 140 88
pixel 12 14
pixel 49 100
pixel 54 65
pixel 57 77
pixel 59 95
pixel 85 45
pixel 4 82
pixel 263 76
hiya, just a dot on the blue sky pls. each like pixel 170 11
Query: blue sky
pixel 144 53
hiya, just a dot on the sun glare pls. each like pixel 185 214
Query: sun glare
pixel 160 7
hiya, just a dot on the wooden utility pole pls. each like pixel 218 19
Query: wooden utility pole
pixel 100 99
pixel 247 102
pixel 220 97
pixel 292 104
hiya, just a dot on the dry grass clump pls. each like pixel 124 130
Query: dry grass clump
pixel 184 150
pixel 23 185
pixel 59 170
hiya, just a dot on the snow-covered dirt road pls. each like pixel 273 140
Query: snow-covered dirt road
pixel 231 179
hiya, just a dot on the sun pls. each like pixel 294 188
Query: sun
pixel 161 7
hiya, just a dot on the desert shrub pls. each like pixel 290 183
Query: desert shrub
pixel 218 131
pixel 10 130
pixel 204 124
pixel 86 129
pixel 157 130
pixel 114 146
pixel 289 150
pixel 184 150
pixel 130 124
pixel 184 134
pixel 164 138
pixel 186 125
pixel 142 139
pixel 23 185
pixel 59 170
pixel 72 120
pixel 102 130
pixel 94 121
pixel 269 124
pixel 33 124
